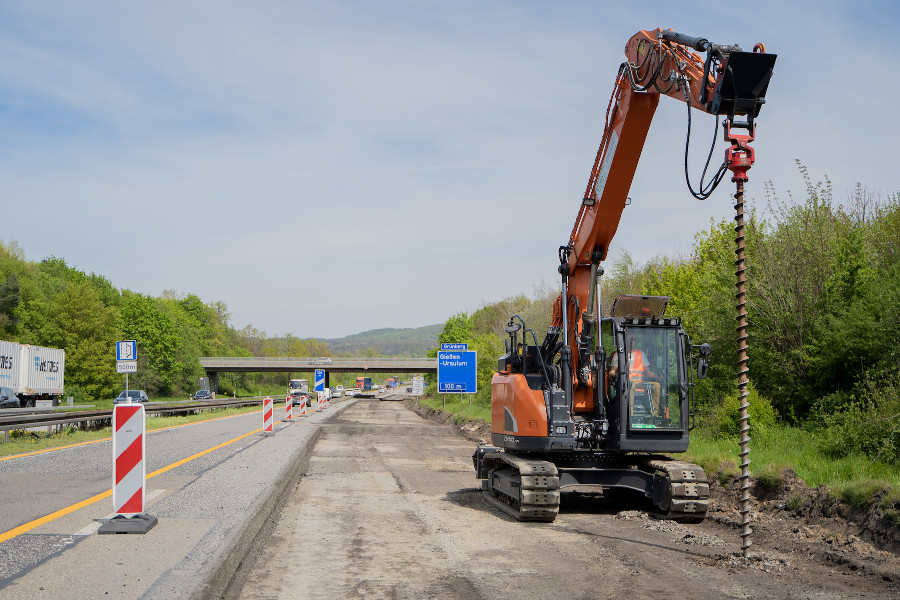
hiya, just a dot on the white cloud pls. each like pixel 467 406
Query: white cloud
pixel 329 167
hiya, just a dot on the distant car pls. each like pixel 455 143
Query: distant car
pixel 132 396
pixel 203 395
pixel 8 398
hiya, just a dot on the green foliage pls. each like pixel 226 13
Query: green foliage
pixel 870 424
pixel 727 416
pixel 9 301
pixel 457 329
pixel 146 320
pixel 862 493
pixel 52 304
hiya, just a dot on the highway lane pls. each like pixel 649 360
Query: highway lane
pixel 390 508
pixel 40 484
pixel 200 504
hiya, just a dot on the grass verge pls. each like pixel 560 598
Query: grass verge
pixel 458 407
pixel 854 479
pixel 22 442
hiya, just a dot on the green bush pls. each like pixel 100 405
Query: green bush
pixel 870 424
pixel 726 417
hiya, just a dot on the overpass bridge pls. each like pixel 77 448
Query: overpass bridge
pixel 273 364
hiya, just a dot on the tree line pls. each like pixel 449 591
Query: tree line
pixel 823 311
pixel 49 303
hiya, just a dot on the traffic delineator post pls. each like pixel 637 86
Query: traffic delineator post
pixel 288 408
pixel 129 472
pixel 268 416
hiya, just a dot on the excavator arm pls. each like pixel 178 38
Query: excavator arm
pixel 660 62
pixel 727 81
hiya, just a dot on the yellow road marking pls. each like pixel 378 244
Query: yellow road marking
pixel 8 535
pixel 106 439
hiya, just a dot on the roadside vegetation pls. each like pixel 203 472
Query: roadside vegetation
pixel 824 315
pixel 22 441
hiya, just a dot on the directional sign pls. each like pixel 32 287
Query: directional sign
pixel 126 350
pixel 454 346
pixel 320 380
pixel 457 372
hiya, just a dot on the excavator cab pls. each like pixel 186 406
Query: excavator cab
pixel 649 367
pixel 652 369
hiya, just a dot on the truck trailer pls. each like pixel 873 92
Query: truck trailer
pixel 33 372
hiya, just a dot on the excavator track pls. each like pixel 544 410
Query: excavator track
pixel 688 494
pixel 527 490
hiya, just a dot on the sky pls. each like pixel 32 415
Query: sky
pixel 327 168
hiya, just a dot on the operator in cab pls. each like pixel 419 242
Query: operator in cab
pixel 643 383
pixel 641 380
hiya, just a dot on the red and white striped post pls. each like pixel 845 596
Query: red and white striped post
pixel 129 471
pixel 288 408
pixel 321 400
pixel 268 416
pixel 303 406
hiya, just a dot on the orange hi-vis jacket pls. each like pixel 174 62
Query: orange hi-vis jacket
pixel 636 366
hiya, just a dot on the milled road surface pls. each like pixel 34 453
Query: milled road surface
pixel 390 508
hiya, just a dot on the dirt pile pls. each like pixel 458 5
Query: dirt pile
pixel 812 513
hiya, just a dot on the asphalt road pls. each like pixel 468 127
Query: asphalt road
pixel 390 508
pixel 205 507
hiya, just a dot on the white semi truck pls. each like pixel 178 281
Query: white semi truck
pixel 33 372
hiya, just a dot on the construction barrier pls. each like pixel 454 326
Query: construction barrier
pixel 288 406
pixel 129 472
pixel 268 415
pixel 321 400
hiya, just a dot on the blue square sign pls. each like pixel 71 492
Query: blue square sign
pixel 457 372
pixel 126 350
pixel 319 381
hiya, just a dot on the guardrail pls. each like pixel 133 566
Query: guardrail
pixel 59 417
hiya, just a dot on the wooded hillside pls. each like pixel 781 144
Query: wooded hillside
pixel 824 313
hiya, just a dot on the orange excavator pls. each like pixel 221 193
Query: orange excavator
pixel 603 400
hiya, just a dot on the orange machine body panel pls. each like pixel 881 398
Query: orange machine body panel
pixel 517 409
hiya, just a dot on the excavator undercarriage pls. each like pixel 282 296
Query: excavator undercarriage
pixel 528 488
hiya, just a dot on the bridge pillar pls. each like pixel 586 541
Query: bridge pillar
pixel 213 381
pixel 327 379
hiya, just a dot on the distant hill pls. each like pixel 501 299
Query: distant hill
pixel 388 342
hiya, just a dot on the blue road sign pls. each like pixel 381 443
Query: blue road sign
pixel 320 381
pixel 126 350
pixel 457 372
pixel 454 346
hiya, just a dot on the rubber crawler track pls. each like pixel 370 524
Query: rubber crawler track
pixel 528 490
